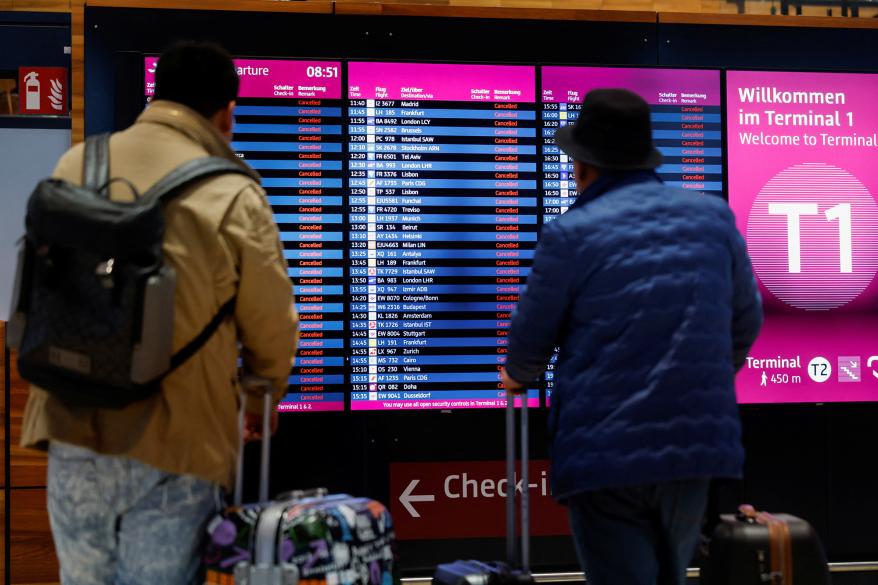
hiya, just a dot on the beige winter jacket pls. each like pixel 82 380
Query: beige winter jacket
pixel 222 241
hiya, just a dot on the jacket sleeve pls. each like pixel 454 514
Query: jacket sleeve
pixel 265 314
pixel 540 314
pixel 69 166
pixel 746 302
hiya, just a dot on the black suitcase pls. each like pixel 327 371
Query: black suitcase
pixel 516 569
pixel 758 548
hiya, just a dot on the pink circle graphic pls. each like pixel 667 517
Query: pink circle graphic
pixel 837 223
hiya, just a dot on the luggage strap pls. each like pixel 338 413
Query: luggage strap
pixel 780 544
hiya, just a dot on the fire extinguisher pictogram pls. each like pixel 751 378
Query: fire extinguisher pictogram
pixel 32 91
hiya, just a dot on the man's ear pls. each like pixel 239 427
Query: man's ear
pixel 585 174
pixel 579 170
pixel 224 120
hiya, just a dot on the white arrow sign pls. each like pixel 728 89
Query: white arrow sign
pixel 406 498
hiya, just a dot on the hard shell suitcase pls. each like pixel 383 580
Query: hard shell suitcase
pixel 307 538
pixel 764 549
pixel 516 569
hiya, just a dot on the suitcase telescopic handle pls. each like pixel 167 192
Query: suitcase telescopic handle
pixel 511 486
pixel 253 385
pixel 303 494
pixel 510 478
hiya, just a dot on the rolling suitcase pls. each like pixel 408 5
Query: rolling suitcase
pixel 299 538
pixel 759 548
pixel 516 569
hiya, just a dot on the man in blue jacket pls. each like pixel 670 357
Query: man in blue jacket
pixel 649 293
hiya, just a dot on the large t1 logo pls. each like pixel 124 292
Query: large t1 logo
pixel 812 234
pixel 794 212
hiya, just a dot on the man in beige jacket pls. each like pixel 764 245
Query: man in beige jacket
pixel 130 490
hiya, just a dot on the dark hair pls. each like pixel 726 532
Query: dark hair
pixel 198 75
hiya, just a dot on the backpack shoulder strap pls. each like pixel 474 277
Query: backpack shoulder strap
pixel 174 182
pixel 193 346
pixel 165 190
pixel 96 162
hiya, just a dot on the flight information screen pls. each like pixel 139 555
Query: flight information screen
pixel 409 205
pixel 444 220
pixel 288 126
pixel 686 112
pixel 686 106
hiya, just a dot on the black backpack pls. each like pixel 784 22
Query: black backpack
pixel 93 310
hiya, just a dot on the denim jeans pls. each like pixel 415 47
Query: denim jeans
pixel 643 535
pixel 116 521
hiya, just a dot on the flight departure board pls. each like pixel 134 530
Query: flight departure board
pixel 686 112
pixel 443 217
pixel 686 107
pixel 409 199
pixel 288 126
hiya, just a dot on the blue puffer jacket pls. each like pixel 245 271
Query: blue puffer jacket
pixel 650 295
